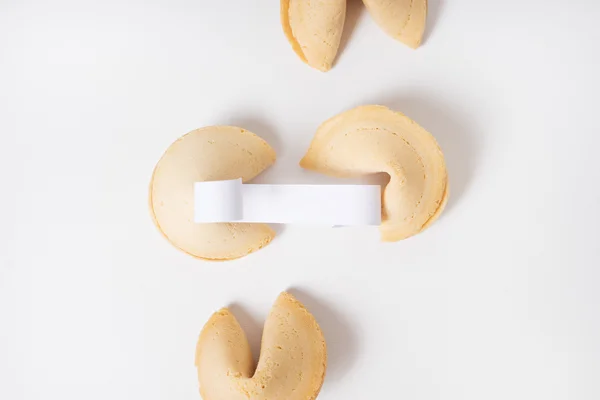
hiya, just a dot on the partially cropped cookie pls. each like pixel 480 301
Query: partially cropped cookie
pixel 292 362
pixel 404 20
pixel 208 154
pixel 372 139
pixel 314 29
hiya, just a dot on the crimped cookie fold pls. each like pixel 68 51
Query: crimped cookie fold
pixel 292 360
pixel 208 154
pixel 314 29
pixel 371 139
pixel 404 20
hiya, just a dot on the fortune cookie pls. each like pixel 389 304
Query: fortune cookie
pixel 292 362
pixel 371 139
pixel 314 29
pixel 208 154
pixel 404 20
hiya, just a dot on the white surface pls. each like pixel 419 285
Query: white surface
pixel 327 205
pixel 499 299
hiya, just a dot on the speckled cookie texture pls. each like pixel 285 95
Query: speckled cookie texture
pixel 292 362
pixel 404 20
pixel 371 139
pixel 207 154
pixel 314 29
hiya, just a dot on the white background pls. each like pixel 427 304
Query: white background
pixel 498 299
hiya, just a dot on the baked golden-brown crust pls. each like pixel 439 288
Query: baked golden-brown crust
pixel 314 29
pixel 371 139
pixel 292 362
pixel 211 153
pixel 404 20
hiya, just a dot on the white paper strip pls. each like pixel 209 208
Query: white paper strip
pixel 232 201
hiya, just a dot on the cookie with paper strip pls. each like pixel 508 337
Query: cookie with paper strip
pixel 372 139
pixel 211 153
